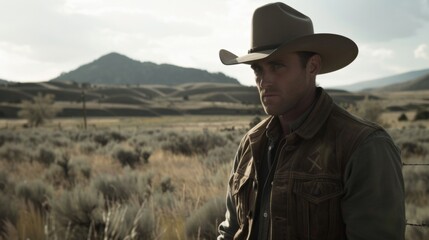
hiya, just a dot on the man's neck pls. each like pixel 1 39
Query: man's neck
pixel 290 121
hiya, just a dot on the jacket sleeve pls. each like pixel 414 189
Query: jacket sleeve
pixel 373 206
pixel 229 226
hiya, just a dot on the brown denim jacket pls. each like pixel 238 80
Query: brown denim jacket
pixel 308 189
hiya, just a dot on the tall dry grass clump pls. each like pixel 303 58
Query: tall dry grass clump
pixel 134 183
pixel 112 184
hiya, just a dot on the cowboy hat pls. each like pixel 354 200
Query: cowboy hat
pixel 276 27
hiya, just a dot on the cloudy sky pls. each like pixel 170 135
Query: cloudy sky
pixel 39 39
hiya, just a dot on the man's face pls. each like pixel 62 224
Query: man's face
pixel 284 85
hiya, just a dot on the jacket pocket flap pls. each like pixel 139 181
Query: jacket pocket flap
pixel 317 191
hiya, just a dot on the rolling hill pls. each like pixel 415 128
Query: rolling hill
pixel 144 100
pixel 420 83
pixel 385 81
pixel 115 68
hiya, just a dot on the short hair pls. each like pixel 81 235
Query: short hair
pixel 304 56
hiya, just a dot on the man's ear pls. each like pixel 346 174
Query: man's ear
pixel 314 64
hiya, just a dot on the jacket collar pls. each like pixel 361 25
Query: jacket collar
pixel 308 125
pixel 317 117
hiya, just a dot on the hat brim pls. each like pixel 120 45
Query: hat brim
pixel 336 51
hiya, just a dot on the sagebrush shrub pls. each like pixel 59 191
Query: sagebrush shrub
pixel 126 156
pixel 203 223
pixel 403 117
pixel 80 167
pixel 88 147
pixel 416 185
pixel 13 153
pixel 412 148
pixel 104 137
pixel 59 139
pixel 7 136
pixel 254 121
pixel 368 109
pixel 422 115
pixel 68 172
pixel 79 214
pixel 130 221
pixel 4 180
pixel 122 188
pixel 193 143
pixel 167 185
pixel 36 192
pixel 8 211
pixel 46 155
pixel 219 156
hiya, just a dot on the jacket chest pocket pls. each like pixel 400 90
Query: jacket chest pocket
pixel 316 208
pixel 241 190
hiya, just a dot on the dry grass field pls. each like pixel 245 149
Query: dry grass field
pixel 155 177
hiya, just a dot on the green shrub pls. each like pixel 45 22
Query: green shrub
pixel 416 185
pixel 46 155
pixel 59 140
pixel 4 181
pixel 368 109
pixel 412 148
pixel 103 138
pixel 422 115
pixel 193 143
pixel 164 201
pixel 83 214
pixel 7 136
pixel 79 214
pixel 403 117
pixel 68 172
pixel 126 157
pixel 88 147
pixel 36 192
pixel 8 211
pixel 13 153
pixel 64 163
pixel 130 221
pixel 123 188
pixel 203 223
pixel 140 140
pixel 55 176
pixel 167 185
pixel 219 156
pixel 80 167
pixel 254 121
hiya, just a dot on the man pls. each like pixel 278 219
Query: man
pixel 311 170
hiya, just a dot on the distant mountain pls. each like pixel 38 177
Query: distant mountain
pixel 115 68
pixel 385 81
pixel 3 81
pixel 421 83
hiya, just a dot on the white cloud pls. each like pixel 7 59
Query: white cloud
pixel 382 53
pixel 421 52
pixel 50 36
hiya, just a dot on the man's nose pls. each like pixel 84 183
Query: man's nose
pixel 266 80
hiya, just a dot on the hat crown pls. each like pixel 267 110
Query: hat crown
pixel 276 23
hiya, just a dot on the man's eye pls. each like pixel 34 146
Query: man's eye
pixel 275 67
